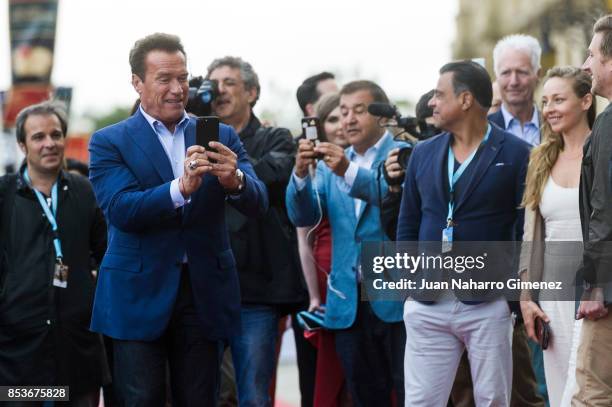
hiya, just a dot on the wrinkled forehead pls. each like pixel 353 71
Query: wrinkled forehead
pixel 226 72
pixel 42 123
pixel 158 60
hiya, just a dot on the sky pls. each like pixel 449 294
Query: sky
pixel 400 44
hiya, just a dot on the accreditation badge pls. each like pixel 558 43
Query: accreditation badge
pixel 447 239
pixel 60 275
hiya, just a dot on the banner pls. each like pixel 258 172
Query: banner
pixel 22 96
pixel 32 26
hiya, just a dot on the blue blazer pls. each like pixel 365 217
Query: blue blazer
pixel 147 237
pixel 497 118
pixel 348 231
pixel 487 210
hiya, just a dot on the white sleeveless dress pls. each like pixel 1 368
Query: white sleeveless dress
pixel 560 210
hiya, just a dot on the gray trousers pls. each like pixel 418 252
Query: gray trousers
pixel 436 336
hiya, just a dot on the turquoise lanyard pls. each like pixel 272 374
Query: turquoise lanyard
pixel 453 176
pixel 49 212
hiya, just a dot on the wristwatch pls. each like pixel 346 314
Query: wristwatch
pixel 240 176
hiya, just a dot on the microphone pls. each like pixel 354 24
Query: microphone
pixel 388 111
pixel 382 110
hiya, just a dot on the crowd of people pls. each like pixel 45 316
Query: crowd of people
pixel 170 276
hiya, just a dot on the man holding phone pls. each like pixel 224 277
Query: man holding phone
pixel 167 288
pixel 271 283
pixel 369 335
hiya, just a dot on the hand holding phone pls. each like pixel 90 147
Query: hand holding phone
pixel 543 332
pixel 207 130
pixel 311 130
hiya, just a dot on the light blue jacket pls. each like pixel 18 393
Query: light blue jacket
pixel 348 231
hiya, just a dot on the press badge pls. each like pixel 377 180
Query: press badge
pixel 447 239
pixel 60 275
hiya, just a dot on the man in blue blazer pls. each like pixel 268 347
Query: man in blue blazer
pixel 475 198
pixel 516 60
pixel 167 288
pixel 348 187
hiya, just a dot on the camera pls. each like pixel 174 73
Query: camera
pixel 415 126
pixel 425 131
pixel 403 156
pixel 201 94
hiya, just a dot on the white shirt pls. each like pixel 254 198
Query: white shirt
pixel 174 146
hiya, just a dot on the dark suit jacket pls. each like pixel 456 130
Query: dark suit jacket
pixel 488 208
pixel 497 118
pixel 140 273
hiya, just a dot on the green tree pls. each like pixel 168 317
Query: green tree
pixel 117 114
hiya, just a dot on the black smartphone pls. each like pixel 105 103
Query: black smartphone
pixel 311 130
pixel 543 332
pixel 207 130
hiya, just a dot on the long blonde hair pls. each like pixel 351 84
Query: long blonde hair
pixel 544 156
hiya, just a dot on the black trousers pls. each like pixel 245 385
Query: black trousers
pixel 307 363
pixel 372 356
pixel 193 360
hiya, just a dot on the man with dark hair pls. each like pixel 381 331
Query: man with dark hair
pixel 477 199
pixel 271 283
pixel 369 335
pixel 51 231
pixel 312 88
pixel 593 365
pixel 168 289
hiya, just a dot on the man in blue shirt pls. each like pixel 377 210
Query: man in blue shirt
pixel 348 188
pixel 516 60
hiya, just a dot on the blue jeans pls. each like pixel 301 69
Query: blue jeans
pixel 254 354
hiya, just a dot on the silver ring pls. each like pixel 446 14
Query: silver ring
pixel 193 164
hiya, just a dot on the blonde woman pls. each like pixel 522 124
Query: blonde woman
pixel 552 215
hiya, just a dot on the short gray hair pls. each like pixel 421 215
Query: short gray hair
pixel 247 73
pixel 520 42
pixel 40 109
